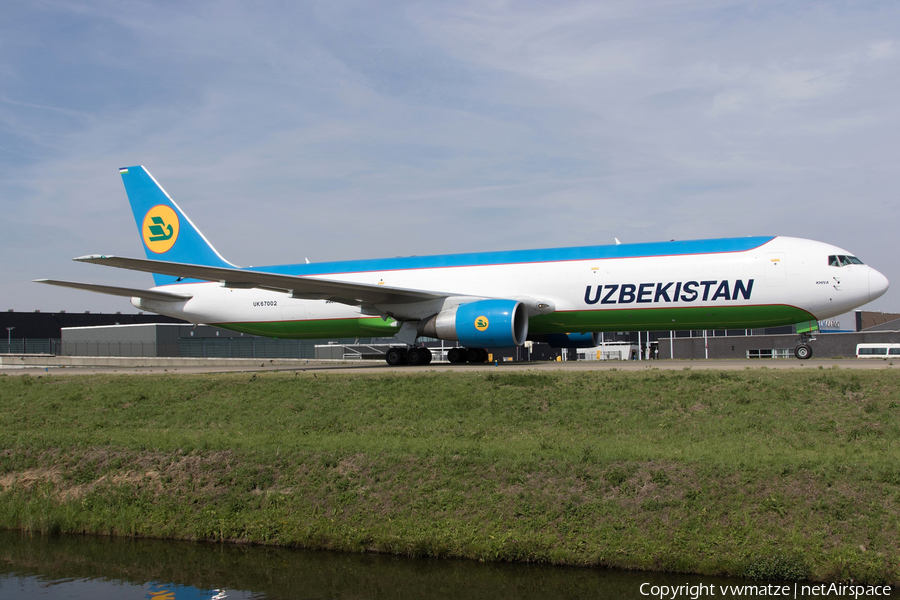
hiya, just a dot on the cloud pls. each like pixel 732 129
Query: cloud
pixel 882 50
pixel 340 130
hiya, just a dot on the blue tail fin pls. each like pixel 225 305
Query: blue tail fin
pixel 167 233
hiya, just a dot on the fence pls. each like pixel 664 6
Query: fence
pixel 225 347
pixel 362 352
pixel 245 347
pixel 29 346
pixel 58 347
pixel 771 353
pixel 146 349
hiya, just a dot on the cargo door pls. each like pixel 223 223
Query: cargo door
pixel 293 315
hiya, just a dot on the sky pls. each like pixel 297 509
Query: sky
pixel 343 130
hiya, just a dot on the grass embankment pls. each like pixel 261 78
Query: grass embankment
pixel 760 473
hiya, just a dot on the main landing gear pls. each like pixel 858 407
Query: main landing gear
pixel 472 355
pixel 803 350
pixel 415 357
pixel 408 356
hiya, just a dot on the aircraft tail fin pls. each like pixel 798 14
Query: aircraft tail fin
pixel 167 233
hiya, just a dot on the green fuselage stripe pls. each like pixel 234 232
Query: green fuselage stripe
pixel 317 329
pixel 646 319
pixel 669 319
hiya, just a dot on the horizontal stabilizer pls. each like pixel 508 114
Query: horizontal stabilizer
pixel 344 292
pixel 119 291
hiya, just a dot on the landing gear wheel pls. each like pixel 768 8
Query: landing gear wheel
pixel 395 356
pixel 803 351
pixel 428 356
pixel 416 356
pixel 476 355
pixel 456 355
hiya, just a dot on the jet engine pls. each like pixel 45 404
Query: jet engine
pixel 494 323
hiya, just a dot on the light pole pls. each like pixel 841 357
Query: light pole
pixel 9 339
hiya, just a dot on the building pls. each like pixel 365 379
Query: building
pixel 36 332
pixel 98 334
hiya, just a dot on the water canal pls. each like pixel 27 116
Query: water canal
pixel 105 568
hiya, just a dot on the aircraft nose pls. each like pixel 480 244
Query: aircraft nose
pixel 878 284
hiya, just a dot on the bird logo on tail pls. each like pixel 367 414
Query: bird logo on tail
pixel 160 228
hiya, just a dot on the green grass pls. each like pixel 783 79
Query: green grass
pixel 759 473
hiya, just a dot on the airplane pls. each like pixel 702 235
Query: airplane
pixel 563 296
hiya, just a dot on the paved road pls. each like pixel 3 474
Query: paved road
pixel 380 367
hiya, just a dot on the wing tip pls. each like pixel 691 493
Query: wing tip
pixel 92 257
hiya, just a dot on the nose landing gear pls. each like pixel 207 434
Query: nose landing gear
pixel 803 350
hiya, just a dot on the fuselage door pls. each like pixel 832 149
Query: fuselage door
pixel 594 286
pixel 775 269
pixel 293 309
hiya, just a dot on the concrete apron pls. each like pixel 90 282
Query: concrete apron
pixel 49 360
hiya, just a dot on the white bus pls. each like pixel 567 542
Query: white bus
pixel 883 350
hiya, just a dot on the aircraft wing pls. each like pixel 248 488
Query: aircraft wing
pixel 314 288
pixel 119 291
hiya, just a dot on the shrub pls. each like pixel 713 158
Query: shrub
pixel 778 566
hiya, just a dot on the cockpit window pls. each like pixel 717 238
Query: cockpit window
pixel 841 260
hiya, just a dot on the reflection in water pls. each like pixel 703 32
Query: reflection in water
pixel 101 568
pixel 169 591
pixel 15 587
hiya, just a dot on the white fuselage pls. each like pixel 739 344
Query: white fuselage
pixel 782 272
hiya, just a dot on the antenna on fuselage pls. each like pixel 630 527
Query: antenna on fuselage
pixel 618 243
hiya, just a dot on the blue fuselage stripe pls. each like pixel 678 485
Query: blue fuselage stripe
pixel 403 263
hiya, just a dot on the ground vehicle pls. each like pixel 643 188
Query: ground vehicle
pixel 879 350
